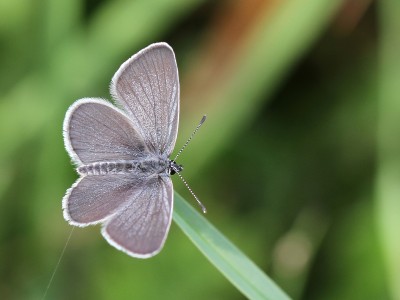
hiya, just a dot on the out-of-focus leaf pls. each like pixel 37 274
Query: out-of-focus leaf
pixel 265 56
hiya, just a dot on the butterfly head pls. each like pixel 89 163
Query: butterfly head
pixel 174 167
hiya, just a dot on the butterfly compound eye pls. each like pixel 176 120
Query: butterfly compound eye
pixel 174 167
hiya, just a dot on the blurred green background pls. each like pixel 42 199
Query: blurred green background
pixel 298 162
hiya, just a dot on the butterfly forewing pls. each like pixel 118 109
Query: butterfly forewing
pixel 94 131
pixel 147 87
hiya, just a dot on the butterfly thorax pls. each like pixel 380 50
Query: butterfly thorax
pixel 147 167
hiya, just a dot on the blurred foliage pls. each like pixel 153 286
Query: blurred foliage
pixel 299 108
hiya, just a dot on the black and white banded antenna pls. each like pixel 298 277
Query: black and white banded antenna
pixel 191 136
pixel 203 208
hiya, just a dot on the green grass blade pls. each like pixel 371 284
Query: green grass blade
pixel 225 256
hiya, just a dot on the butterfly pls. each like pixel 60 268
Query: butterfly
pixel 122 154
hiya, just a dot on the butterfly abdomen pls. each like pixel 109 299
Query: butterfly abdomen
pixel 123 167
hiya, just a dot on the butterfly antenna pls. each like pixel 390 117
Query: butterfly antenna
pixel 190 138
pixel 203 208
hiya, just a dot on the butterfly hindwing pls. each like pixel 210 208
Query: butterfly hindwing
pixel 141 227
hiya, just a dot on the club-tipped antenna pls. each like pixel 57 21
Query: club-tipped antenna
pixel 190 138
pixel 203 208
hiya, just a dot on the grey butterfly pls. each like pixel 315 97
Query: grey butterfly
pixel 122 154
